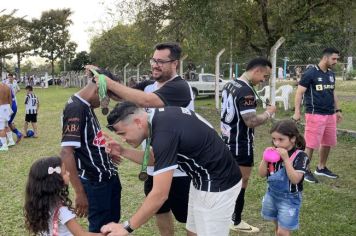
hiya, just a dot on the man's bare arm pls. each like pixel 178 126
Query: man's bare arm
pixel 298 101
pixel 137 156
pixel 154 200
pixel 253 120
pixel 134 95
pixel 81 201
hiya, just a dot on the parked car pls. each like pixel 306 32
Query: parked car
pixel 204 84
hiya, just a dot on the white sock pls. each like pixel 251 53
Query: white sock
pixel 3 141
pixel 9 137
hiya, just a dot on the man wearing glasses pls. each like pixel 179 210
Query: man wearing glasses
pixel 238 120
pixel 167 89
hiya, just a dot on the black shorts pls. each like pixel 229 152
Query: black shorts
pixel 244 160
pixel 178 197
pixel 31 118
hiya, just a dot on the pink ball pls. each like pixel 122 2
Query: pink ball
pixel 271 155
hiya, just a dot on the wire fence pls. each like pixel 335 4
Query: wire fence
pixel 292 60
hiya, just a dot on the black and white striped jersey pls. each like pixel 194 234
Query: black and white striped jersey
pixel 81 130
pixel 300 163
pixel 31 103
pixel 237 99
pixel 183 139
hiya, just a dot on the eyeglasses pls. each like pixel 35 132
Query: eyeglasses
pixel 121 117
pixel 159 62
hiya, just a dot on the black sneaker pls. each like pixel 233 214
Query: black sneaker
pixel 325 172
pixel 309 177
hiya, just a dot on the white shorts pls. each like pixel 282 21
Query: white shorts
pixel 3 123
pixel 5 113
pixel 209 213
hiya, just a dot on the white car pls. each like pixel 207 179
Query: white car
pixel 204 84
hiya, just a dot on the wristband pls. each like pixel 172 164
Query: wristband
pixel 338 110
pixel 127 227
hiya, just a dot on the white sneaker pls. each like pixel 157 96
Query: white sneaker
pixel 4 148
pixel 244 227
pixel 11 143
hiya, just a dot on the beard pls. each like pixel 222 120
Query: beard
pixel 162 78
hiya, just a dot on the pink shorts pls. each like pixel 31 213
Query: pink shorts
pixel 320 130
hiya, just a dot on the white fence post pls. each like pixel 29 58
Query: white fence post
pixel 138 72
pixel 125 82
pixel 274 49
pixel 181 65
pixel 217 77
pixel 114 70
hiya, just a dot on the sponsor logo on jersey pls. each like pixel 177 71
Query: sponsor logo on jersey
pixel 186 111
pixel 249 100
pixel 99 139
pixel 319 87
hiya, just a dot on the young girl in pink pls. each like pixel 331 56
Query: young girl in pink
pixel 48 209
pixel 282 201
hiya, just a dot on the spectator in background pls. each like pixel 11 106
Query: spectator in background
pixel 280 73
pixel 322 111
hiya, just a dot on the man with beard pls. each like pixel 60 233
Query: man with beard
pixel 167 89
pixel 322 111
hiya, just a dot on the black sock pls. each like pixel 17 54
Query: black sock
pixel 239 206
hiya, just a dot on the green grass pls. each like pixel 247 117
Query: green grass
pixel 329 208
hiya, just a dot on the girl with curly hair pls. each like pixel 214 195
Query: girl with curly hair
pixel 48 209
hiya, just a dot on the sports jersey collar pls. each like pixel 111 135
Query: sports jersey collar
pixel 319 69
pixel 151 113
pixel 81 99
pixel 243 80
pixel 159 85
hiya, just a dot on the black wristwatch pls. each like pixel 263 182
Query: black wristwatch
pixel 338 110
pixel 127 227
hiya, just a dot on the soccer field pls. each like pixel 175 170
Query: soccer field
pixel 329 208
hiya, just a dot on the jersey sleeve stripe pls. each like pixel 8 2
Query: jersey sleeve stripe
pixel 247 111
pixel 70 144
pixel 165 170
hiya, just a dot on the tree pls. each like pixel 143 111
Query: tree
pixel 50 34
pixel 20 43
pixel 81 59
pixel 203 27
pixel 14 36
pixel 68 54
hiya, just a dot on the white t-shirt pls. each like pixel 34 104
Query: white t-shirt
pixel 64 215
pixel 149 89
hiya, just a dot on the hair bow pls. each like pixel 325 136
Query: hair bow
pixel 51 170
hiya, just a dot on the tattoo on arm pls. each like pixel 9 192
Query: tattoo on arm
pixel 253 120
